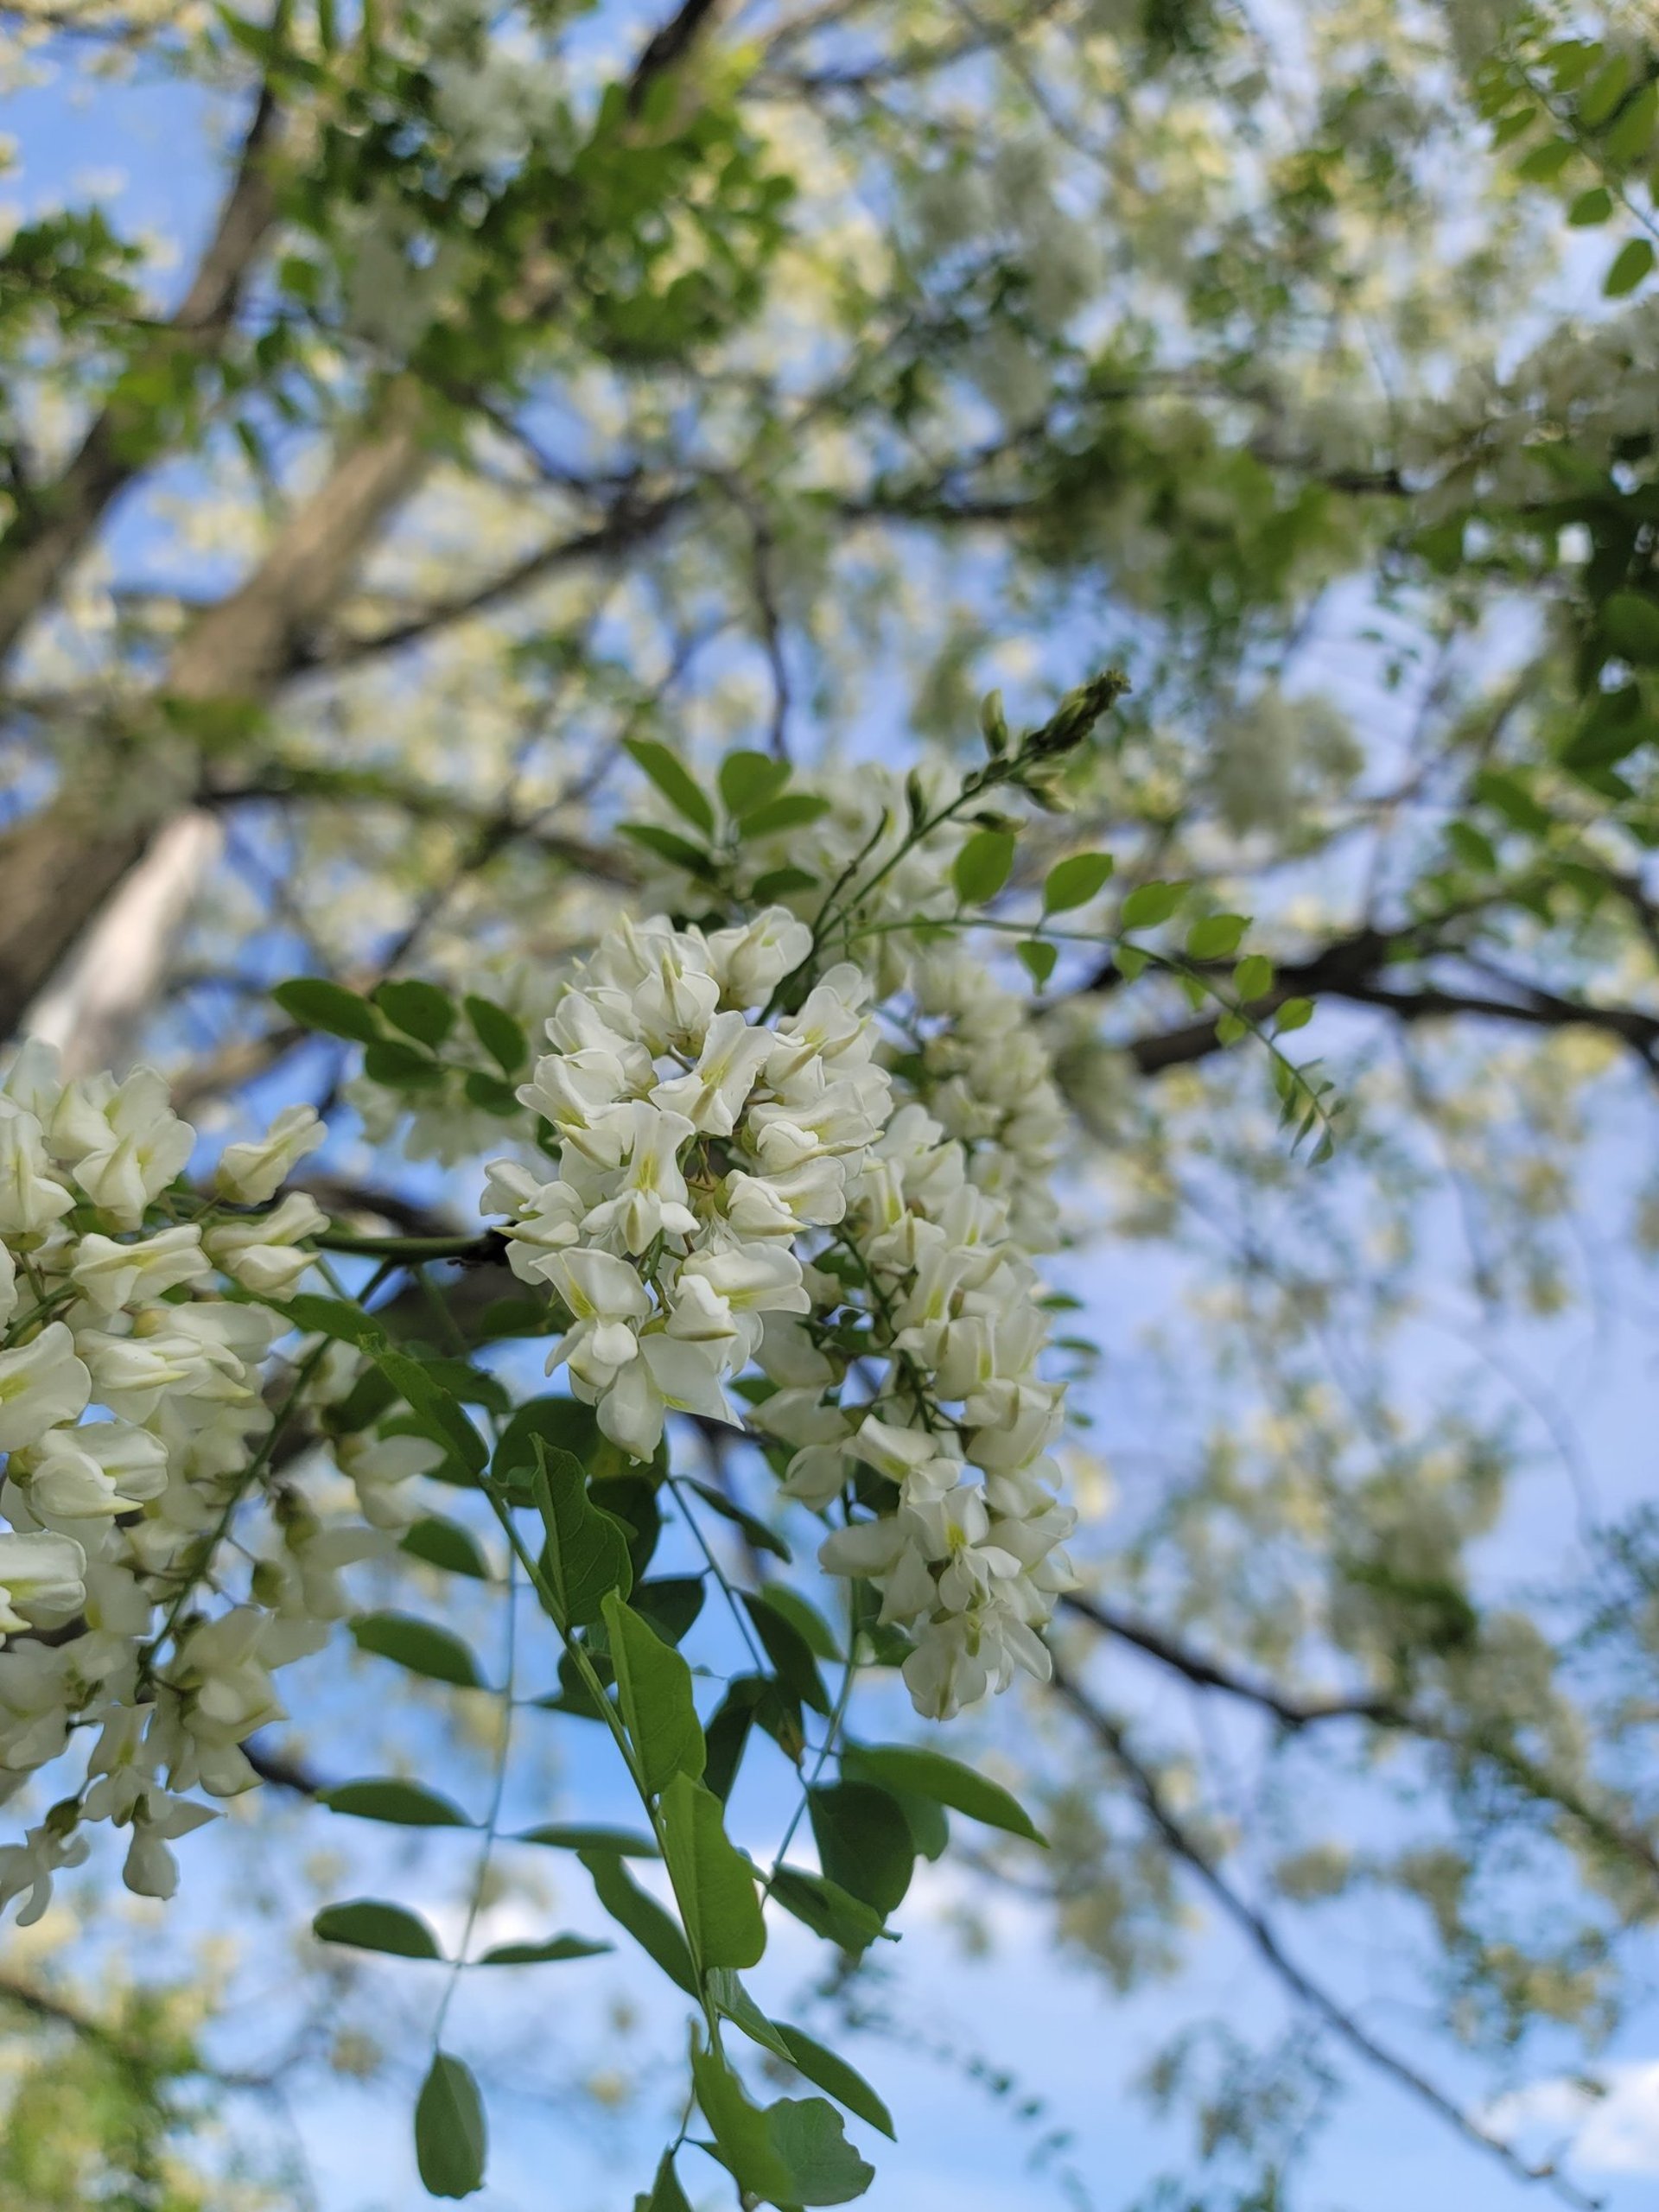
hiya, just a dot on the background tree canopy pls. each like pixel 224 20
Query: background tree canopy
pixel 478 452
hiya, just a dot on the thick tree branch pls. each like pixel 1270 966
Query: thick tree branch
pixel 1353 969
pixel 629 524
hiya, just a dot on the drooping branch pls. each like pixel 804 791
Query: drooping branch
pixel 1289 1712
pixel 1491 1745
pixel 1185 1847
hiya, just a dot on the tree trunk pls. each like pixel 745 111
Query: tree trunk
pixel 60 867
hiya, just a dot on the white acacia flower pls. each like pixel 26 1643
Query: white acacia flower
pixel 123 1141
pixel 264 1255
pixel 109 1276
pixel 650 1197
pixel 31 1197
pixel 669 1376
pixel 27 1868
pixel 712 1095
pixel 40 1573
pixel 94 1471
pixel 41 1384
pixel 751 960
pixel 251 1173
pixel 607 1301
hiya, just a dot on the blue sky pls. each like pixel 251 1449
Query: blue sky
pixel 1053 2024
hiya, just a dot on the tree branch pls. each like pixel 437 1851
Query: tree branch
pixel 1182 1845
pixel 1352 968
pixel 47 533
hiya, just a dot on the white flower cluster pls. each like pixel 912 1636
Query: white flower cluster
pixel 131 1408
pixel 733 1186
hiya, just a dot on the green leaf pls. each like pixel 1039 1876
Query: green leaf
pixel 1505 793
pixel 726 1736
pixel 1630 265
pixel 1630 622
pixel 549 1952
pixel 1605 91
pixel 445 1543
pixel 405 1804
pixel 675 781
pixel 678 852
pixel 490 1093
pixel 763 1538
pixel 789 1652
pixel 666 2194
pixel 1512 125
pixel 563 1424
pixel 817 1632
pixel 398 1066
pixel 424 1386
pixel 670 1603
pixel 864 1841
pixel 1593 207
pixel 653 1686
pixel 928 1821
pixel 1544 163
pixel 736 2004
pixel 586 1555
pixel 983 867
pixel 655 1931
pixel 779 882
pixel 793 2153
pixel 332 1317
pixel 620 1843
pixel 1295 1013
pixel 420 1010
pixel 498 1033
pixel 741 2135
pixel 1150 904
pixel 327 1006
pixel 1630 134
pixel 420 1646
pixel 1074 882
pixel 1253 977
pixel 808 2135
pixel 749 780
pixel 828 2071
pixel 1216 936
pixel 948 1782
pixel 1471 846
pixel 1038 958
pixel 367 1924
pixel 713 1882
pixel 450 2141
pixel 828 1910
pixel 793 811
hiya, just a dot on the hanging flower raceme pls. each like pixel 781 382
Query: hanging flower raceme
pixel 734 1190
pixel 782 1178
pixel 133 1416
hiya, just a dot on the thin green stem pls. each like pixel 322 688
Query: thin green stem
pixel 745 1627
pixel 607 1711
pixel 838 1720
pixel 492 1815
